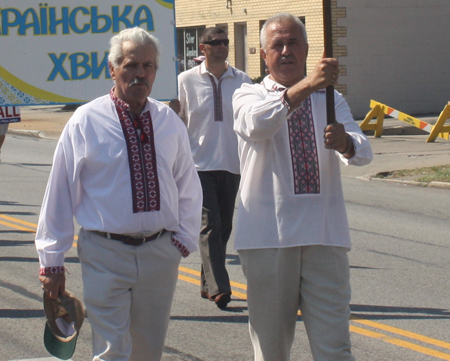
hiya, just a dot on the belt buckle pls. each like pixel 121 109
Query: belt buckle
pixel 151 238
pixel 148 238
pixel 139 238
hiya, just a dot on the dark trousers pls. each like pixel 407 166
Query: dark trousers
pixel 219 196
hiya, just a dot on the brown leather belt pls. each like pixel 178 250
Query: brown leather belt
pixel 132 241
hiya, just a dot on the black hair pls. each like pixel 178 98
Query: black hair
pixel 207 33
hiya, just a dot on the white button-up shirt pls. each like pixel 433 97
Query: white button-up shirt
pixel 90 180
pixel 270 214
pixel 213 143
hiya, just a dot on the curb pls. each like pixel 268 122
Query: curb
pixel 398 130
pixel 444 185
pixel 432 184
pixel 30 133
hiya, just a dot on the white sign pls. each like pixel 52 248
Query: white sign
pixel 9 115
pixel 56 52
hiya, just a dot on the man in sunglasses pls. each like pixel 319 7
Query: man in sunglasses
pixel 205 93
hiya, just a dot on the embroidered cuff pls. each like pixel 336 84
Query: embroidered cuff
pixel 180 246
pixel 44 271
pixel 283 100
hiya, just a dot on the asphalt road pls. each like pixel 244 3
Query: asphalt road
pixel 399 269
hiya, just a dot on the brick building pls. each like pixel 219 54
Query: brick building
pixel 396 52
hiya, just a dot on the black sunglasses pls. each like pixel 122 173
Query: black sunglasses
pixel 217 42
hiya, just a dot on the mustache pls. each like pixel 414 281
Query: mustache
pixel 284 58
pixel 137 81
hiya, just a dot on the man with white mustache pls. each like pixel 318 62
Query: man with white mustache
pixel 123 168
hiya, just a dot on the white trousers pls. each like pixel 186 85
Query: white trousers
pixel 314 279
pixel 128 293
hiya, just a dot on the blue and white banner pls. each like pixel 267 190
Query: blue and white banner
pixel 56 52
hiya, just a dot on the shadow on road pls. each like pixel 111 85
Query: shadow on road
pixel 374 312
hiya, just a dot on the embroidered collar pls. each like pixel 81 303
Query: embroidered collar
pixel 119 102
pixel 229 72
pixel 140 141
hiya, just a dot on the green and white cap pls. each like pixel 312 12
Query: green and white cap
pixel 65 315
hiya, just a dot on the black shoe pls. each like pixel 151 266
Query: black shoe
pixel 222 300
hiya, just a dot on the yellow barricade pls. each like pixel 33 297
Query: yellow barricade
pixel 379 110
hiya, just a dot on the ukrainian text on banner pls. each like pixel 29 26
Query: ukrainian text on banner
pixel 57 52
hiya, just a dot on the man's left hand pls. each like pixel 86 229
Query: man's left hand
pixel 336 138
pixel 54 284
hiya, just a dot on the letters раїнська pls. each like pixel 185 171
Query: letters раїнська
pixel 80 20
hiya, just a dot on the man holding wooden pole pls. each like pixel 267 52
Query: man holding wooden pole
pixel 292 233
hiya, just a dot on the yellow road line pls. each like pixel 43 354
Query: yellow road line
pixel 355 319
pixel 237 294
pixel 355 329
pixel 239 285
pixel 197 273
pixel 188 279
pixel 190 271
pixel 399 331
pixel 400 343
pixel 240 295
pixel 18 221
pixel 15 226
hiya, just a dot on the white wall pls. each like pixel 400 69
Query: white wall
pixel 398 53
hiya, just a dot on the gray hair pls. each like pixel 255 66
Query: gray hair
pixel 281 18
pixel 136 35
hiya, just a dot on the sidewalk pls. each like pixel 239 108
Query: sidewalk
pixel 401 146
pixel 41 121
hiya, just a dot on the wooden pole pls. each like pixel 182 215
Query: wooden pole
pixel 328 40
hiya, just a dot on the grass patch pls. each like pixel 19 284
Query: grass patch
pixel 428 174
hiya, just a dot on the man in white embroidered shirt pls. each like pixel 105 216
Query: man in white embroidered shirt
pixel 205 93
pixel 291 231
pixel 123 168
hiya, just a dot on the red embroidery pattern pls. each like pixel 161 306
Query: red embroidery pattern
pixel 141 157
pixel 180 246
pixel 44 271
pixel 305 160
pixel 217 91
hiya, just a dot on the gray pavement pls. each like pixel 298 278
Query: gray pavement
pixel 401 146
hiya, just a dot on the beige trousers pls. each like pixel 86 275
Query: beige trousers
pixel 280 281
pixel 128 292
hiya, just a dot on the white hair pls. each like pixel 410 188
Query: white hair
pixel 281 18
pixel 136 35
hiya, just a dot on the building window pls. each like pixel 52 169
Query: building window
pixel 187 47
pixel 240 46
